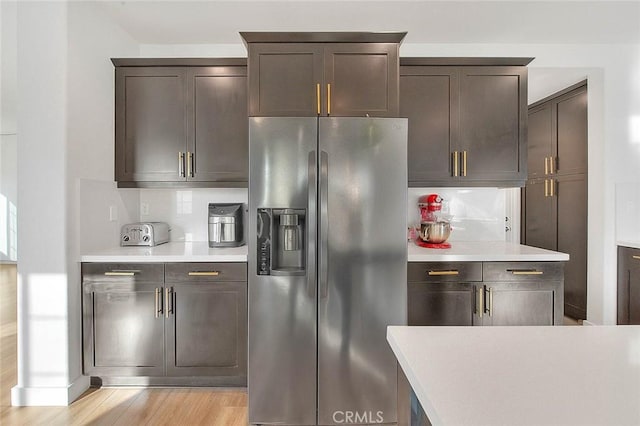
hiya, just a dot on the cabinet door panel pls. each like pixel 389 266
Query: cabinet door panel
pixel 363 78
pixel 219 131
pixel 518 304
pixel 571 197
pixel 123 337
pixel 207 330
pixel 572 132
pixel 428 99
pixel 540 140
pixel 150 123
pixel 493 122
pixel 441 304
pixel 540 224
pixel 628 286
pixel 634 295
pixel 283 79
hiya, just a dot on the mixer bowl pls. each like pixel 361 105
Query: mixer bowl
pixel 435 232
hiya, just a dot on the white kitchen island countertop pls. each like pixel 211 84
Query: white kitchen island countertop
pixel 565 375
pixel 197 251
pixel 484 251
pixel 629 243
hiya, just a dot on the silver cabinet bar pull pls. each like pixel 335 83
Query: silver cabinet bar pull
pixel 636 257
pixel 168 293
pixel 181 164
pixel 190 164
pixel 490 301
pixel 204 273
pixel 449 272
pixel 157 291
pixel 481 301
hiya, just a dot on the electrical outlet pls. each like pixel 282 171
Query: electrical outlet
pixel 144 209
pixel 113 213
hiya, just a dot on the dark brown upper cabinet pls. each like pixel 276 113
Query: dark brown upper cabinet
pixel 181 122
pixel 557 134
pixel 328 74
pixel 467 120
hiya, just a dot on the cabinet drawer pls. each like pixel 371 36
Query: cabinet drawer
pixel 122 272
pixel 203 271
pixel 523 271
pixel 444 271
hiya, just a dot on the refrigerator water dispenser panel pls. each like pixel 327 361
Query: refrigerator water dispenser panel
pixel 281 241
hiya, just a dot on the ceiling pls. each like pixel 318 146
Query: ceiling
pixel 514 21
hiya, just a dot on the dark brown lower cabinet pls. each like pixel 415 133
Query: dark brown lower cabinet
pixel 503 293
pixel 628 285
pixel 206 331
pixel 142 327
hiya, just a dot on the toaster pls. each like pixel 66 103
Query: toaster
pixel 144 234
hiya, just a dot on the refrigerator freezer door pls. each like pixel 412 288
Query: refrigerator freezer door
pixel 362 269
pixel 282 376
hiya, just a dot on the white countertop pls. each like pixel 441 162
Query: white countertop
pixel 628 243
pixel 197 251
pixel 484 251
pixel 523 375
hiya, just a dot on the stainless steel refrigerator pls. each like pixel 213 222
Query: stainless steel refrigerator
pixel 327 268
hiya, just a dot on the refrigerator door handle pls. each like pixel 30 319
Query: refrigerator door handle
pixel 324 224
pixel 312 193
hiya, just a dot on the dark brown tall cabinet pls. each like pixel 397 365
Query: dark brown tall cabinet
pixel 181 122
pixel 467 120
pixel 329 74
pixel 554 201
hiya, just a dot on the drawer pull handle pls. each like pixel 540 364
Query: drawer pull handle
pixel 120 273
pixel 204 273
pixel 636 257
pixel 432 273
pixel 525 272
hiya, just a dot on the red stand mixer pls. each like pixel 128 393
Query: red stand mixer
pixel 435 227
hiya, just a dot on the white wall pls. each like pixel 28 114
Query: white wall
pixel 43 316
pixel 8 137
pixel 65 120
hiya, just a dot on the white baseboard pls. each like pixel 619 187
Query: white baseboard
pixel 58 396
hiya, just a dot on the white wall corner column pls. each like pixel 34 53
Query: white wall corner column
pixel 45 375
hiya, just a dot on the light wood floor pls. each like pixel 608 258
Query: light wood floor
pixel 110 406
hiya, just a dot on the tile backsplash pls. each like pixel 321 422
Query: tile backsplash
pixel 186 210
pixel 478 214
pixel 628 211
